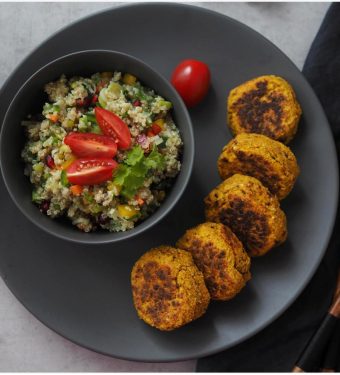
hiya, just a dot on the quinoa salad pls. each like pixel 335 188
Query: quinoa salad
pixel 103 152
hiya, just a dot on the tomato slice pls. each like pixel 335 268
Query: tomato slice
pixel 91 144
pixel 91 171
pixel 114 127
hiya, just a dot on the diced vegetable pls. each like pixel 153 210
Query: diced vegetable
pixel 126 211
pixel 129 79
pixel 156 129
pixel 53 117
pixel 165 104
pixel 63 178
pixel 50 109
pixel 160 122
pixel 39 167
pixel 36 197
pixel 76 189
pixel 139 200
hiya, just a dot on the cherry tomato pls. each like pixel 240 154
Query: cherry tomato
pixel 114 127
pixel 90 144
pixel 191 78
pixel 91 171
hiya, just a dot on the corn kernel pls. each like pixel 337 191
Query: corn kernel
pixel 160 123
pixel 129 79
pixel 126 211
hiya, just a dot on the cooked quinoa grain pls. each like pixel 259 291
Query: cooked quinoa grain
pixel 145 171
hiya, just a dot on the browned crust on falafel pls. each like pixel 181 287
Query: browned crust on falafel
pixel 168 289
pixel 248 208
pixel 219 254
pixel 256 155
pixel 265 105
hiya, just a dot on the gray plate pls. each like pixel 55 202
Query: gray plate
pixel 83 292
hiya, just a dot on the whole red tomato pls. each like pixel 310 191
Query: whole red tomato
pixel 191 79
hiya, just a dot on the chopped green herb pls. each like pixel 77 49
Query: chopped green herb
pixel 155 160
pixel 132 173
pixel 134 156
pixel 91 117
pixel 35 197
pixel 96 129
pixel 96 208
pixel 122 172
pixel 56 207
pixel 88 197
pixel 64 179
pixel 50 108
pixel 165 104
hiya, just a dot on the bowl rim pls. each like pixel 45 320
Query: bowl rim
pixel 91 237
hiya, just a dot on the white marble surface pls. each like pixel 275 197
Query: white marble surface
pixel 25 344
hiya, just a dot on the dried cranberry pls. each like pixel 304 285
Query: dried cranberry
pixel 83 102
pixel 50 162
pixel 44 206
pixel 101 219
pixel 100 86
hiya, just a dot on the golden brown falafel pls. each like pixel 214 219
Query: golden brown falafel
pixel 258 156
pixel 219 254
pixel 168 289
pixel 266 105
pixel 250 211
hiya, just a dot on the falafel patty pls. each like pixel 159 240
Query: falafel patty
pixel 250 211
pixel 256 155
pixel 266 105
pixel 219 254
pixel 168 289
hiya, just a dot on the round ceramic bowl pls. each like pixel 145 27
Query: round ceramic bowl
pixel 30 99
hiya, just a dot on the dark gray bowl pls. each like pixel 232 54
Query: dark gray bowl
pixel 30 99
